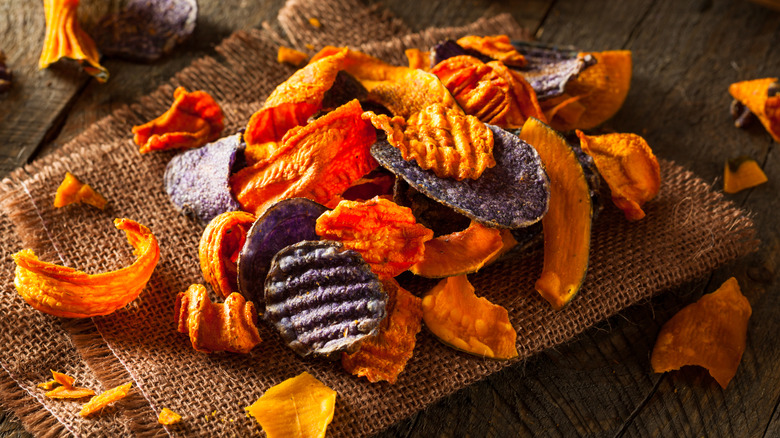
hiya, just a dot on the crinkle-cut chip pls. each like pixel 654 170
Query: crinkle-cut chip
pixel 418 59
pixel 219 247
pixel 385 356
pixel 446 141
pixel 193 120
pixel 323 298
pixel 384 233
pixel 742 173
pixel 497 47
pixel 629 167
pixel 67 292
pixel 550 68
pixel 756 96
pixel 71 191
pixel 291 56
pixel 491 92
pixel 459 253
pixel 710 333
pixel 100 401
pixel 402 90
pixel 145 30
pixel 63 379
pixel 47 385
pixel 512 194
pixel 287 222
pixel 378 182
pixel 317 161
pixel 455 315
pixel 69 392
pixel 230 326
pixel 65 39
pixel 168 417
pixel 197 181
pixel 291 104
pixel 301 406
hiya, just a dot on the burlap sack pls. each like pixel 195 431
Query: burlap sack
pixel 629 262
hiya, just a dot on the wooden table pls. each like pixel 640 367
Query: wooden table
pixel 686 53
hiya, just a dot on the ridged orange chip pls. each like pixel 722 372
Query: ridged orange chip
pixel 193 120
pixel 384 233
pixel 498 47
pixel 444 140
pixel 318 161
pixel 754 95
pixel 97 403
pixel 220 244
pixel 70 392
pixel 710 333
pixel 460 253
pixel 384 357
pixel 629 167
pixel 71 190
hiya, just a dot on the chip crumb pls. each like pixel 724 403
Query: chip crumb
pixel 47 385
pixel 310 46
pixel 315 22
pixel 168 417
pixel 97 403
pixel 291 56
pixel 69 392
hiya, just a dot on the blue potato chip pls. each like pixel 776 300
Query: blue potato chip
pixel 549 68
pixel 512 194
pixel 197 180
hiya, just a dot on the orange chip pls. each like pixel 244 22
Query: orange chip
pixel 71 190
pixel 318 161
pixel 754 94
pixel 710 333
pixel 384 233
pixel 168 417
pixel 67 292
pixel 63 379
pixel 418 59
pixel 70 392
pixel 47 385
pixel 459 253
pixel 742 173
pixel 193 120
pixel 498 47
pixel 567 109
pixel 291 56
pixel 629 167
pixel 315 22
pixel 220 244
pixel 97 403
pixel 444 140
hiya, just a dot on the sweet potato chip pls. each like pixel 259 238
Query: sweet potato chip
pixel 460 253
pixel 757 96
pixel 291 56
pixel 444 140
pixel 742 173
pixel 47 385
pixel 218 250
pixel 97 403
pixel 298 407
pixel 63 379
pixel 384 233
pixel 193 120
pixel 710 333
pixel 317 161
pixel 71 191
pixel 70 392
pixel 167 417
pixel 567 109
pixel 418 59
pixel 384 357
pixel 497 47
pixel 67 292
pixel 230 326
pixel 629 167
pixel 65 39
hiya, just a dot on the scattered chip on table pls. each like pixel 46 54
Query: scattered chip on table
pixel 742 173
pixel 72 191
pixel 99 402
pixel 168 417
pixel 70 392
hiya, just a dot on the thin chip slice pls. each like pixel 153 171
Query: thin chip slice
pixel 710 333
pixel 384 233
pixel 550 68
pixel 69 392
pixel 762 98
pixel 472 324
pixel 298 407
pixel 48 385
pixel 168 417
pixel 384 357
pixel 219 247
pixel 97 403
pixel 72 191
pixel 742 173
pixel 460 253
pixel 498 47
pixel 63 379
pixel 629 167
pixel 67 292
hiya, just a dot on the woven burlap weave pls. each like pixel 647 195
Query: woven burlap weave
pixel 689 230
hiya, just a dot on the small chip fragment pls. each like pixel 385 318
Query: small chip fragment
pixel 47 385
pixel 218 250
pixel 384 233
pixel 5 74
pixel 315 22
pixel 193 120
pixel 742 173
pixel 301 406
pixel 63 379
pixel 710 333
pixel 460 253
pixel 497 47
pixel 168 417
pixel 323 298
pixel 762 98
pixel 69 392
pixel 290 56
pixel 71 191
pixel 97 403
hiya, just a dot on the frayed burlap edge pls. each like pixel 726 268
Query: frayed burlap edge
pixel 33 416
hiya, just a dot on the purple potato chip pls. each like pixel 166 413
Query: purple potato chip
pixel 450 49
pixel 146 29
pixel 513 194
pixel 549 68
pixel 287 222
pixel 197 180
pixel 323 298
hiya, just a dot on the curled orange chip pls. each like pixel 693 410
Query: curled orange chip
pixel 193 120
pixel 384 357
pixel 418 59
pixel 710 333
pixel 230 326
pixel 71 190
pixel 384 233
pixel 742 173
pixel 629 167
pixel 318 161
pixel 761 101
pixel 62 291
pixel 70 392
pixel 168 417
pixel 444 140
pixel 291 56
pixel 65 39
pixel 63 379
pixel 498 47
pixel 220 244
pixel 97 403
pixel 460 253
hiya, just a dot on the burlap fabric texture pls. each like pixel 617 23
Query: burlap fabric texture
pixel 629 262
